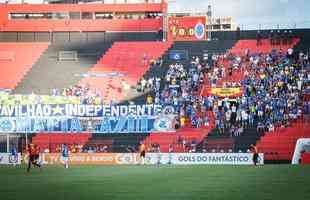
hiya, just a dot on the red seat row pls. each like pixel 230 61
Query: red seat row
pixel 280 144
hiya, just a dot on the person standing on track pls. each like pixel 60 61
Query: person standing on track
pixel 65 155
pixel 158 155
pixel 255 154
pixel 14 155
pixel 142 153
pixel 33 156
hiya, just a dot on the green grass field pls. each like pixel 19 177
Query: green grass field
pixel 152 183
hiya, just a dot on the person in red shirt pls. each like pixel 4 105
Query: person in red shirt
pixel 37 152
pixel 255 153
pixel 142 152
pixel 33 153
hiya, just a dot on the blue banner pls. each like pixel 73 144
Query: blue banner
pixel 90 118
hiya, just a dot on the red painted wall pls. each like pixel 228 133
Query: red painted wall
pixel 81 25
pixel 305 158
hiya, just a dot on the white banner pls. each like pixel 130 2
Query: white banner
pixel 9 159
pixel 155 158
pixel 216 158
pixel 191 158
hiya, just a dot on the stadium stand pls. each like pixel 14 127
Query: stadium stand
pixel 16 60
pixel 129 61
pixel 218 144
pixel 50 72
pixel 53 141
pixel 227 141
pixel 114 50
pixel 241 142
pixel 187 134
pixel 280 144
pixel 116 142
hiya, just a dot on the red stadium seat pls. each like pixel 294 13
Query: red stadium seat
pixel 16 60
pixel 188 133
pixel 282 142
pixel 125 58
pixel 54 140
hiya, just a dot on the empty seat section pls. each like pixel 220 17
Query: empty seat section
pixel 280 144
pixel 16 59
pixel 187 133
pixel 53 141
pixel 122 66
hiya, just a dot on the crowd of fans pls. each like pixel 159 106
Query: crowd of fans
pixel 82 94
pixel 77 94
pixel 180 89
pixel 273 87
pixel 272 90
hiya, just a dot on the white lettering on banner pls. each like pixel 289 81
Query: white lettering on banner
pixel 97 109
pixel 21 113
pixel 149 109
pixel 191 158
pixel 212 158
pixel 115 111
pixel 216 158
pixel 106 110
pixel 156 158
pixel 4 111
pixel 71 109
pixel 47 110
pixel 80 110
pixel 132 109
pixel 90 110
pixel 31 110
pixel 140 109
pixel 11 110
pixel 9 159
pixel 127 158
pixel 124 111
